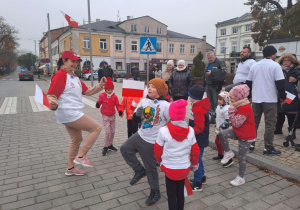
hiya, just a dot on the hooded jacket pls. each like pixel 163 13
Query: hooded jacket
pixel 176 149
pixel 109 104
pixel 294 71
pixel 199 120
pixel 180 82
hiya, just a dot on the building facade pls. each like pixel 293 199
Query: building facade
pixel 231 36
pixel 118 44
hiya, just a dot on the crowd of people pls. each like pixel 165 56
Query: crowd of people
pixel 157 128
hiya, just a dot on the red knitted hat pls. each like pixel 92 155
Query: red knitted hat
pixel 109 84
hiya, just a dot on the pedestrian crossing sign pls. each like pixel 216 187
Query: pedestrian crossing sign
pixel 148 45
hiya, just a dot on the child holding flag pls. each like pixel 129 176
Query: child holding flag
pixel 108 101
pixel 177 152
pixel 65 98
pixel 154 113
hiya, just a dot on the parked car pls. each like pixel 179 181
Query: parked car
pixel 87 76
pixel 26 75
pixel 119 74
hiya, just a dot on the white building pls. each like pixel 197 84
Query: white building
pixel 231 36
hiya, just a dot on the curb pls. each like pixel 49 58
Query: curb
pixel 261 161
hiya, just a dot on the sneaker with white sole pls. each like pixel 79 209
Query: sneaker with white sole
pixel 238 181
pixel 83 161
pixel 227 157
pixel 74 171
pixel 229 163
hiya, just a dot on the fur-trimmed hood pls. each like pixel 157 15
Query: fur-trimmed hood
pixel 292 57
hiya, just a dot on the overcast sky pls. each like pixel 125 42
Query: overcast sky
pixel 191 17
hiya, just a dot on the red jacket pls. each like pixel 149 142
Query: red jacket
pixel 247 130
pixel 127 105
pixel 108 104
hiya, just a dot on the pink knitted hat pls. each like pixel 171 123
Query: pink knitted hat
pixel 177 110
pixel 240 92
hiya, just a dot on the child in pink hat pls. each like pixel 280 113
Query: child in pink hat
pixel 177 151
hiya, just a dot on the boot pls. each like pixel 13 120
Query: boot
pixel 278 131
pixel 138 176
pixel 153 198
pixel 219 157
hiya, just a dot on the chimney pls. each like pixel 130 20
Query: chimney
pixel 204 38
pixel 128 17
pixel 97 20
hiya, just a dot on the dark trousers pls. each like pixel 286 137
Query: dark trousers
pixel 175 192
pixel 281 119
pixel 175 98
pixel 132 127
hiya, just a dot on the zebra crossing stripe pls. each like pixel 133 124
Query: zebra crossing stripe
pixel 36 107
pixel 9 106
pixel 89 102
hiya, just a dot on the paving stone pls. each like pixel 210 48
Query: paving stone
pixel 212 189
pixel 290 191
pixel 32 194
pixel 265 180
pixel 85 202
pixel 248 186
pixel 32 181
pixel 131 197
pixel 62 207
pixel 259 204
pixel 280 206
pixel 50 196
pixel 232 192
pixel 274 198
pixel 106 205
pixel 234 202
pixel 66 199
pixel 40 206
pixel 94 192
pixel 252 195
pixel 269 189
pixel 217 206
pixel 293 202
pixel 17 190
pixel 8 199
pixel 194 205
pixel 16 205
pixel 131 206
pixel 79 189
pixel 113 194
pixel 213 199
pixel 8 187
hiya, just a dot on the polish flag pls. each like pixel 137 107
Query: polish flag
pixel 132 88
pixel 70 20
pixel 41 97
pixel 289 97
pixel 187 188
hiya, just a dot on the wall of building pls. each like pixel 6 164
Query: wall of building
pixel 96 51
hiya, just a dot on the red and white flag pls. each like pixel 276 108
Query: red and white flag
pixel 289 97
pixel 41 97
pixel 70 20
pixel 132 88
pixel 187 188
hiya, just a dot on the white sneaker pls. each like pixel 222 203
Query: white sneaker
pixel 238 181
pixel 227 157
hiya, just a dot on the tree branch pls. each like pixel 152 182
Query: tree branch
pixel 277 4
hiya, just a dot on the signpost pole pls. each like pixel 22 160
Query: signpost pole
pixel 147 69
pixel 91 51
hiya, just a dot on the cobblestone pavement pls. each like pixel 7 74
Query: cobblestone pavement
pixel 34 158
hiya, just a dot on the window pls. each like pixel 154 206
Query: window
pixel 147 29
pixel 103 44
pixel 192 51
pixel 119 65
pixel 118 44
pixel 234 30
pixel 223 32
pixel 158 31
pixel 222 48
pixel 248 27
pixel 133 45
pixel 234 46
pixel 158 47
pixel 171 48
pixel 86 43
pixel 247 43
pixel 133 27
pixel 182 48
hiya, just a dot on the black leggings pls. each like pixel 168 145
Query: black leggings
pixel 175 192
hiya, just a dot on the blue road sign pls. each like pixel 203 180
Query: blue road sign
pixel 47 65
pixel 47 60
pixel 148 45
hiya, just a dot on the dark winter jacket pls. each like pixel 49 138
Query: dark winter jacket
pixel 180 82
pixel 107 72
pixel 200 121
pixel 135 74
pixel 290 86
pixel 218 66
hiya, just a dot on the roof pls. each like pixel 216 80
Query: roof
pixel 142 17
pixel 245 16
pixel 104 25
pixel 173 34
pixel 292 39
